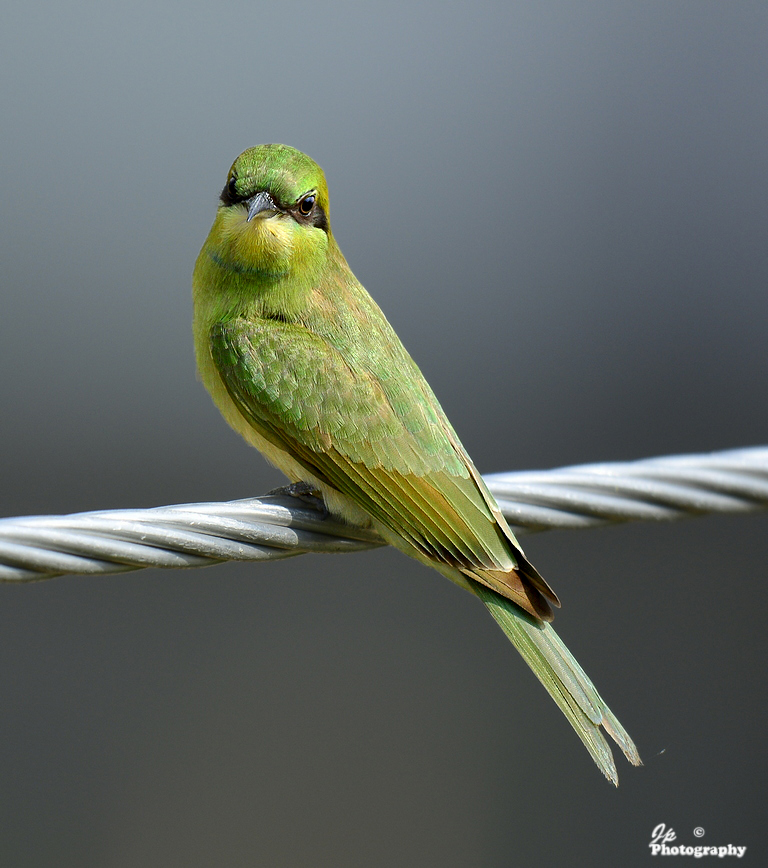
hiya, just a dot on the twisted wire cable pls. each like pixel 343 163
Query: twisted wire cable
pixel 280 526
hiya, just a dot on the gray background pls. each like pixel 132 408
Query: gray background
pixel 562 208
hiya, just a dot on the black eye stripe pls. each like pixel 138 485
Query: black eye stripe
pixel 319 219
pixel 229 195
pixel 313 214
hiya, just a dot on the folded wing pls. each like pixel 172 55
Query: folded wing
pixel 382 441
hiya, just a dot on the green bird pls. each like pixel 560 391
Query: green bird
pixel 301 362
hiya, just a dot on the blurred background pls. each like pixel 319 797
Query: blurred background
pixel 562 207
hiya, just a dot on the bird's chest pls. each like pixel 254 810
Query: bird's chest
pixel 338 505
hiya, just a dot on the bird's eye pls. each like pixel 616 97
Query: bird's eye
pixel 306 205
pixel 229 194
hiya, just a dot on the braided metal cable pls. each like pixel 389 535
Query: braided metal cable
pixel 652 489
pixel 277 526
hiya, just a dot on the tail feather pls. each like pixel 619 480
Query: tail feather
pixel 566 682
pixel 523 585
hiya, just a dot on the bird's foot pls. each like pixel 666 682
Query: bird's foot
pixel 306 493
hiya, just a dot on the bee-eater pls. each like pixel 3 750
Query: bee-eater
pixel 301 362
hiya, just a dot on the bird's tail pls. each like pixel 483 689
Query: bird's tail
pixel 567 683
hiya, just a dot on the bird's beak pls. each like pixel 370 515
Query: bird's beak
pixel 260 202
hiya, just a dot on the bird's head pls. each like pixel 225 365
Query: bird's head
pixel 273 216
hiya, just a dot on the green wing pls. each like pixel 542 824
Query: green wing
pixel 381 440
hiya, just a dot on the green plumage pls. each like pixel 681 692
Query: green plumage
pixel 382 442
pixel 302 362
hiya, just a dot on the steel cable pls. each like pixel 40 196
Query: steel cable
pixel 280 526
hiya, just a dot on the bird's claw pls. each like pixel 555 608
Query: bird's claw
pixel 306 493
